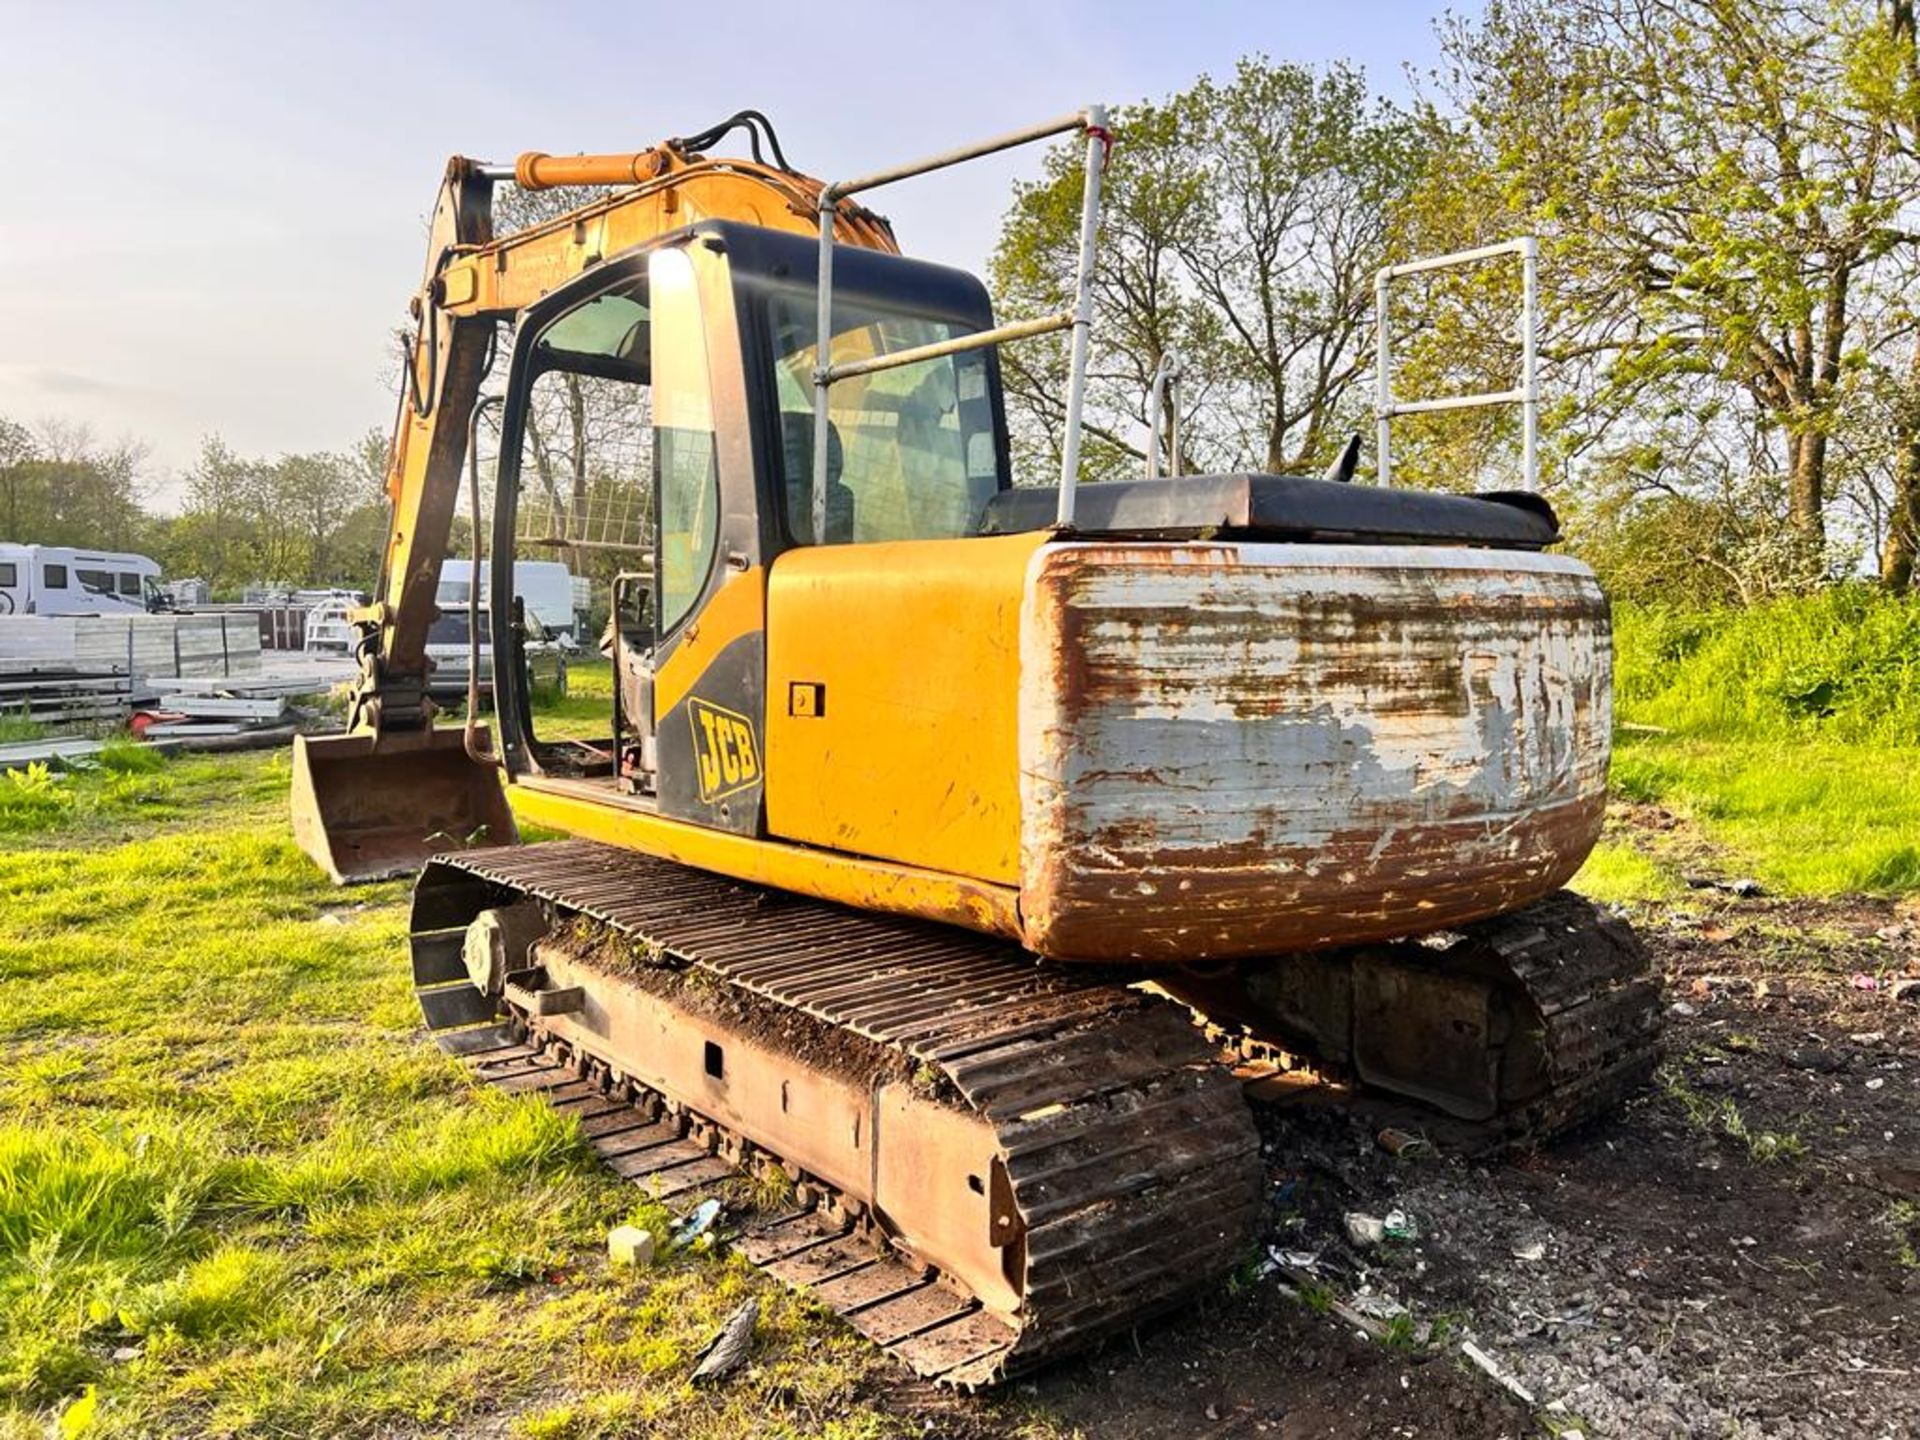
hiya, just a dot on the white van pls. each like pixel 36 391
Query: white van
pixel 545 585
pixel 59 580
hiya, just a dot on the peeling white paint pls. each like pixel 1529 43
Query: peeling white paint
pixel 1286 733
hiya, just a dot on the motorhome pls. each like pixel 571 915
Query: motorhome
pixel 60 580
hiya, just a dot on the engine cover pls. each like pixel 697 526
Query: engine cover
pixel 1234 749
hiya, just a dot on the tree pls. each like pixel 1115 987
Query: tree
pixel 299 519
pixel 1711 200
pixel 1242 225
pixel 59 485
pixel 1889 71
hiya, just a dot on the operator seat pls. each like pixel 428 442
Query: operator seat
pixel 796 435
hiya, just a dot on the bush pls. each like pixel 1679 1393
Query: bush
pixel 1840 664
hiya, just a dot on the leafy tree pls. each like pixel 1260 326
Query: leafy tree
pixel 299 519
pixel 59 485
pixel 1242 224
pixel 1713 202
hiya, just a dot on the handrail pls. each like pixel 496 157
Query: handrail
pixel 1092 121
pixel 1526 394
pixel 1163 393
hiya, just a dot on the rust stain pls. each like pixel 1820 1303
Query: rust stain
pixel 1238 749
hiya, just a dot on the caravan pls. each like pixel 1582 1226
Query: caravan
pixel 59 580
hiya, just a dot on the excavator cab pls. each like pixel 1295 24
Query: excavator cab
pixel 658 419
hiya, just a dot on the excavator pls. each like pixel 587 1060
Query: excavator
pixel 951 848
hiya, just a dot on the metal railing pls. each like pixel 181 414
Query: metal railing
pixel 1526 395
pixel 1092 121
pixel 1163 395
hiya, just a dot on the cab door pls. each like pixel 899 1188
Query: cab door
pixel 709 688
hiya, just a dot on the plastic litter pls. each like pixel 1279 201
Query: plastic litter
pixel 1864 981
pixel 1365 1230
pixel 697 1224
pixel 1399 1225
pixel 1487 1363
pixel 1400 1142
pixel 1534 1250
pixel 630 1245
pixel 1377 1307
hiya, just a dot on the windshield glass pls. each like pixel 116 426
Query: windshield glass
pixel 913 453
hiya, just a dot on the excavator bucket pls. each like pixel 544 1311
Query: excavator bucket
pixel 368 809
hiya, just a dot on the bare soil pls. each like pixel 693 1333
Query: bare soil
pixel 1732 1255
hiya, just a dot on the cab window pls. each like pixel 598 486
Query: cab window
pixel 686 472
pixel 585 468
pixel 912 453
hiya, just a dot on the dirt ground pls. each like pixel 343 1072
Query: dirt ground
pixel 1733 1255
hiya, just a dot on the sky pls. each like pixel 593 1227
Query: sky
pixel 212 215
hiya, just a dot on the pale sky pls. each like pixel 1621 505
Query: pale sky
pixel 211 215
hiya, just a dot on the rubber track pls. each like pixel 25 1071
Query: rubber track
pixel 1133 1157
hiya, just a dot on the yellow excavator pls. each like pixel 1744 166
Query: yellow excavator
pixel 943 835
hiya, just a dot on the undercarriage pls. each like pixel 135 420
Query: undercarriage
pixel 983 1162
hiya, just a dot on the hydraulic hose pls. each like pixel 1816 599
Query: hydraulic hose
pixel 470 732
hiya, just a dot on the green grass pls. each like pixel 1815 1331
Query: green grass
pixel 1804 818
pixel 15 726
pixel 1842 664
pixel 129 790
pixel 229 1156
pixel 586 713
pixel 1619 872
pixel 1786 736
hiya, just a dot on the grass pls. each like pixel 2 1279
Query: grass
pixel 16 726
pixel 1719 1116
pixel 1814 817
pixel 1840 664
pixel 241 1195
pixel 1787 736
pixel 1620 872
pixel 129 790
pixel 585 712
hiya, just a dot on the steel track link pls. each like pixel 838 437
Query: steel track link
pixel 1132 1159
pixel 1592 991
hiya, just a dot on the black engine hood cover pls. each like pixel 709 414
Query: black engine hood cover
pixel 1282 507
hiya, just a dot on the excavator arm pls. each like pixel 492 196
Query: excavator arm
pixel 473 281
pixel 395 788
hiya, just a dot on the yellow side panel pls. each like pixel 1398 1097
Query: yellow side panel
pixel 910 651
pixel 572 808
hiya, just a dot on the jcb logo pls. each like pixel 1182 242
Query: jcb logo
pixel 723 745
